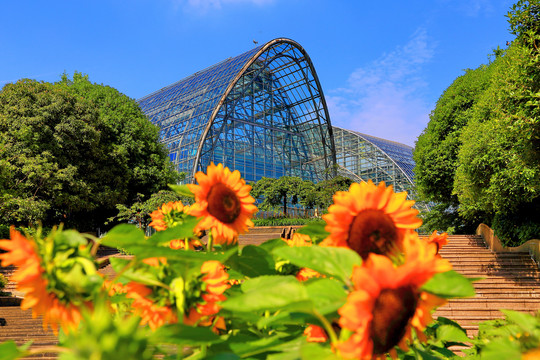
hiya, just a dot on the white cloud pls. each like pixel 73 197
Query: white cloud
pixel 386 97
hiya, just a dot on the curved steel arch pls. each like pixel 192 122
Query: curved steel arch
pixel 327 158
pixel 208 116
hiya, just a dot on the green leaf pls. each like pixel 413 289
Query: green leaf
pixel 223 356
pixel 272 244
pixel 269 293
pixel 316 231
pixel 441 320
pixel 301 349
pixel 122 236
pixel 527 322
pixel 252 262
pixel 144 252
pixel 258 346
pixel 180 334
pixel 449 285
pixel 424 355
pixel 327 295
pixel 10 351
pixel 501 348
pixel 185 230
pixel 118 263
pixel 312 351
pixel 449 333
pixel 330 261
pixel 182 190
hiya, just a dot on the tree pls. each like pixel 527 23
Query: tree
pixel 326 189
pixel 72 150
pixel 479 159
pixel 499 162
pixel 276 192
pixel 139 212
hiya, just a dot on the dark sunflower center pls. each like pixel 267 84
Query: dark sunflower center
pixel 223 204
pixel 372 231
pixel 391 313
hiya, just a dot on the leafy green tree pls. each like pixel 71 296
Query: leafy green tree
pixel 139 211
pixel 478 159
pixel 437 147
pixel 499 162
pixel 277 192
pixel 72 150
pixel 326 189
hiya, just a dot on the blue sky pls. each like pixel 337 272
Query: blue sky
pixel 382 65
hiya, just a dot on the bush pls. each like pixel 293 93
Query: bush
pixel 285 221
pixel 3 283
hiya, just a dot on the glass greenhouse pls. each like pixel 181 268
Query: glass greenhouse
pixel 362 157
pixel 262 113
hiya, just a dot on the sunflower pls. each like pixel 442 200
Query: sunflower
pixel 215 282
pixel 168 215
pixel 437 241
pixel 299 240
pixel 223 200
pixel 150 313
pixel 386 305
pixel 315 333
pixel 31 280
pixel 178 244
pixel 370 218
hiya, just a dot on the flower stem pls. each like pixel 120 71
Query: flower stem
pixel 327 326
pixel 210 245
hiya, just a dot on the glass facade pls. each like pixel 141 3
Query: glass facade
pixel 262 113
pixel 363 157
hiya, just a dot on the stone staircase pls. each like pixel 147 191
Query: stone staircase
pixel 509 281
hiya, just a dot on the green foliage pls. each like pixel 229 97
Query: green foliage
pixel 449 284
pixel 3 282
pixel 498 177
pixel 10 351
pixel 139 212
pixel 445 218
pixel 275 193
pixel 104 337
pixel 508 338
pixel 524 19
pixel 72 150
pixel 479 157
pixel 285 221
pixel 436 150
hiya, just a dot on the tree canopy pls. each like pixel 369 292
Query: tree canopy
pixel 479 156
pixel 290 190
pixel 71 151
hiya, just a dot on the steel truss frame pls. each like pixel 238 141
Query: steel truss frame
pixel 368 157
pixel 262 113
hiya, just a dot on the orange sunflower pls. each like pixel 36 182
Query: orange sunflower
pixel 223 200
pixel 386 305
pixel 215 283
pixel 370 218
pixel 315 333
pixel 437 241
pixel 178 244
pixel 150 313
pixel 299 240
pixel 30 279
pixel 167 215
